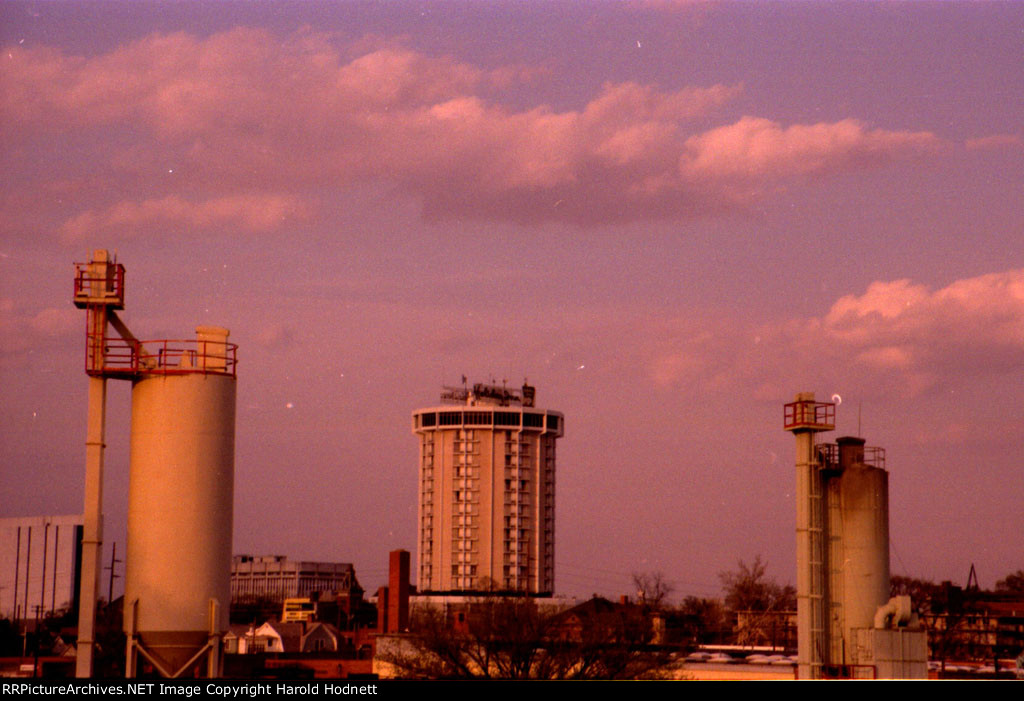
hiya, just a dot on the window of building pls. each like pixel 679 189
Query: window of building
pixel 506 418
pixel 478 418
pixel 533 420
pixel 450 418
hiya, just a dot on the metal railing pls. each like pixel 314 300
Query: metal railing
pixel 828 455
pixel 91 287
pixel 810 414
pixel 161 357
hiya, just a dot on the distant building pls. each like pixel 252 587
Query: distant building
pixel 40 565
pixel 968 624
pixel 275 578
pixel 599 620
pixel 275 636
pixel 775 629
pixel 487 492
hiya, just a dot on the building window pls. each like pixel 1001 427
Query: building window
pixel 450 418
pixel 506 418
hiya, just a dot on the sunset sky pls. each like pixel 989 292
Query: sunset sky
pixel 669 216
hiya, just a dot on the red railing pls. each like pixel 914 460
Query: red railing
pixel 810 414
pixel 90 286
pixel 161 357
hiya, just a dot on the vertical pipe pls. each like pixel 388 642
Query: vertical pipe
pixel 113 562
pixel 28 568
pixel 56 552
pixel 92 536
pixel 42 583
pixel 17 567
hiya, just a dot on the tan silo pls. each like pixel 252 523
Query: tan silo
pixel 864 504
pixel 177 584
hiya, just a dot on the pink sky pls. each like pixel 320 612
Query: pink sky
pixel 670 217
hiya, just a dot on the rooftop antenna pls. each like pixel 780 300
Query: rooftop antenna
pixel 972 579
pixel 859 403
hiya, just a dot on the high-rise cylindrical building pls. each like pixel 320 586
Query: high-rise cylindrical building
pixel 487 492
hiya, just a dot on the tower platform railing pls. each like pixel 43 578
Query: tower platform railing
pixel 124 358
pixel 99 284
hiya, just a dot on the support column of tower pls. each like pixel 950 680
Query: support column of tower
pixel 92 532
pixel 99 289
pixel 804 418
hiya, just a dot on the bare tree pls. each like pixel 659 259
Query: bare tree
pixel 652 589
pixel 504 637
pixel 758 602
pixel 1012 584
pixel 704 619
pixel 749 589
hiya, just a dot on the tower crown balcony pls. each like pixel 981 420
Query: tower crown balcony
pixel 805 415
pixel 99 282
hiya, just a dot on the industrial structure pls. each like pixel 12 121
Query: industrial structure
pixel 40 566
pixel 393 600
pixel 177 582
pixel 487 491
pixel 847 625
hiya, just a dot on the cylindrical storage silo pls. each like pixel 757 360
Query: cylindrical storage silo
pixel 180 504
pixel 864 500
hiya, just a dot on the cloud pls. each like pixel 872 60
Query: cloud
pixel 975 318
pixel 247 111
pixel 248 213
pixel 275 336
pixel 24 331
pixel 897 335
pixel 995 142
pixel 754 147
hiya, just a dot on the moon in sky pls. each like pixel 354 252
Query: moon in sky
pixel 837 399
